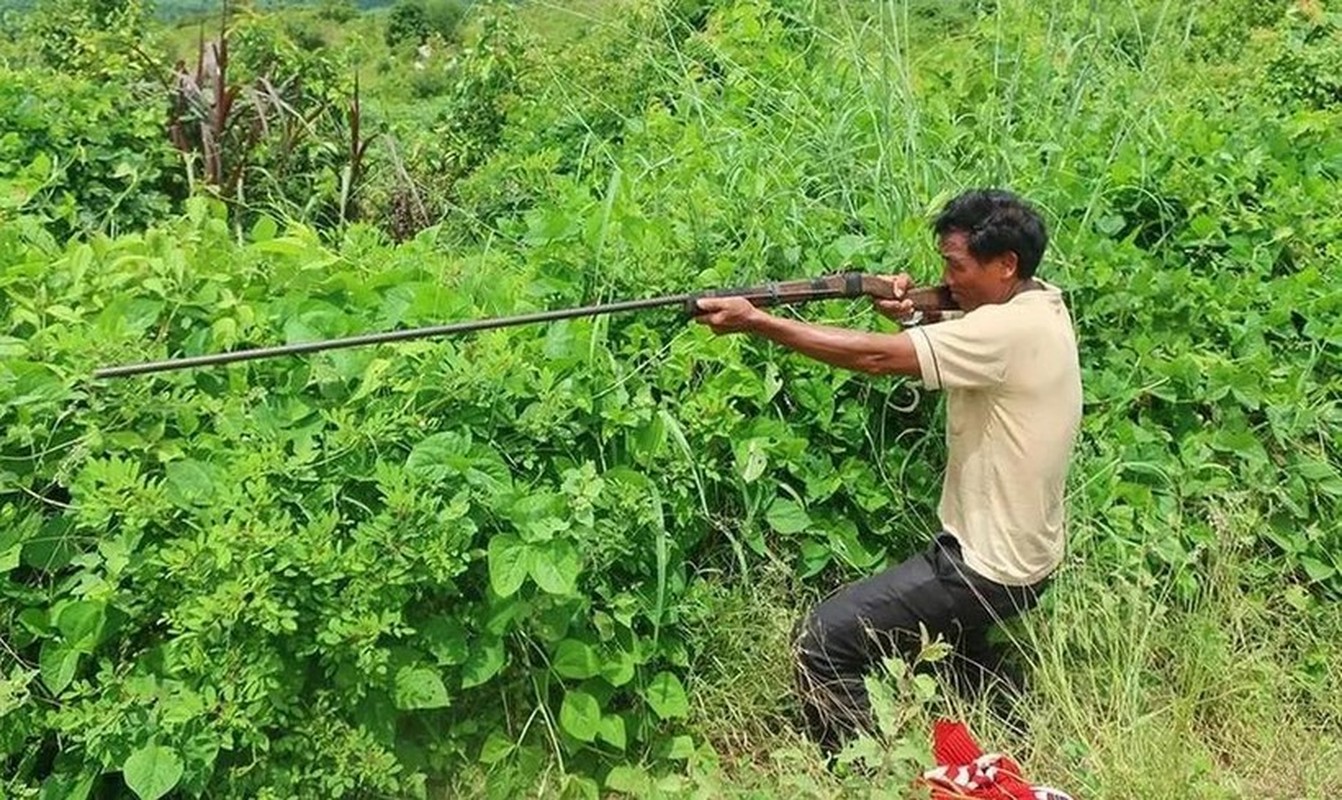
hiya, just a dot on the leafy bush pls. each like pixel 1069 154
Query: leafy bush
pixel 510 542
pixel 98 39
pixel 1307 64
pixel 83 157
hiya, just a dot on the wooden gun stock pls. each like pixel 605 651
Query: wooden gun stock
pixel 845 285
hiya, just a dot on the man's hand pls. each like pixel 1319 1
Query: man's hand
pixel 728 314
pixel 900 309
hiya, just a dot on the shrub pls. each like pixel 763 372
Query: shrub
pixel 83 157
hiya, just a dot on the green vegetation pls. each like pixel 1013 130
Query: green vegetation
pixel 564 560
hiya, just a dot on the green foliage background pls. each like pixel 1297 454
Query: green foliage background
pixel 353 574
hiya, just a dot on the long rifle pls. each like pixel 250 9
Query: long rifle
pixel 848 284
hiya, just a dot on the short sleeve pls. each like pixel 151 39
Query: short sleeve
pixel 965 353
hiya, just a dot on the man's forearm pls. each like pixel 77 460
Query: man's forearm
pixel 872 353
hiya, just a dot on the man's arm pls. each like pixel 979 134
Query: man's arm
pixel 872 353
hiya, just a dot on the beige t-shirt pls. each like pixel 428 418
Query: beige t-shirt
pixel 1013 408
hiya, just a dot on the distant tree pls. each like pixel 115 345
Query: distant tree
pixel 338 10
pixel 445 16
pixel 407 23
pixel 414 21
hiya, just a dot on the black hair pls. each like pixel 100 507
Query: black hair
pixel 996 221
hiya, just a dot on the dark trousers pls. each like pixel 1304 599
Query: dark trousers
pixel 851 632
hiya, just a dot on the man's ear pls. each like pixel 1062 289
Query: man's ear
pixel 1009 264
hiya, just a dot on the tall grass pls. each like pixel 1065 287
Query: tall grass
pixel 1135 693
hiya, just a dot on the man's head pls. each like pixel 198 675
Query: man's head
pixel 990 241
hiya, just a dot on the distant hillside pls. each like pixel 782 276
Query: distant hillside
pixel 176 8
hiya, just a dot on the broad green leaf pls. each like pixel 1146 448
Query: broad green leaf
pixel 670 785
pixel 439 456
pixel 81 623
pixel 787 517
pixel 419 687
pixel 181 707
pixel 817 397
pixel 189 481
pixel 484 662
pixel 287 246
pixel 27 382
pixel 772 383
pixel 618 668
pixel 559 341
pixel 372 379
pixel 1298 597
pixel 446 640
pixel 633 781
pixel 579 787
pixel 9 557
pixel 1316 569
pixel 58 663
pixel 649 440
pixel 1321 476
pixel 496 748
pixel 376 713
pixel 264 229
pixel 152 771
pixel 53 547
pixel 552 624
pixel 555 566
pixel 612 730
pixel 509 560
pixel 667 697
pixel 580 715
pixel 575 659
pixel 544 227
pixel 1110 224
pixel 752 459
pixel 67 787
pixel 16 192
pixel 844 541
pixel 815 556
pixel 849 245
pixel 679 748
pixel 488 471
pixel 12 537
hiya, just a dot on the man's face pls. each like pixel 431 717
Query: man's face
pixel 973 282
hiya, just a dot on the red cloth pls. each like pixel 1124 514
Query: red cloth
pixel 965 772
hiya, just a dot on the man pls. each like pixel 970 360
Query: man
pixel 1010 371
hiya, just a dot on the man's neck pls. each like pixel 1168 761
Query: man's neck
pixel 1026 285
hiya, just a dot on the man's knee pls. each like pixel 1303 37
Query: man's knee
pixel 826 640
pixel 836 640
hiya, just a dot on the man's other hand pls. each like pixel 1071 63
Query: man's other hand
pixel 901 309
pixel 727 314
pixel 898 309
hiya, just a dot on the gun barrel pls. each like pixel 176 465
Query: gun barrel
pixel 839 286
pixel 381 338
